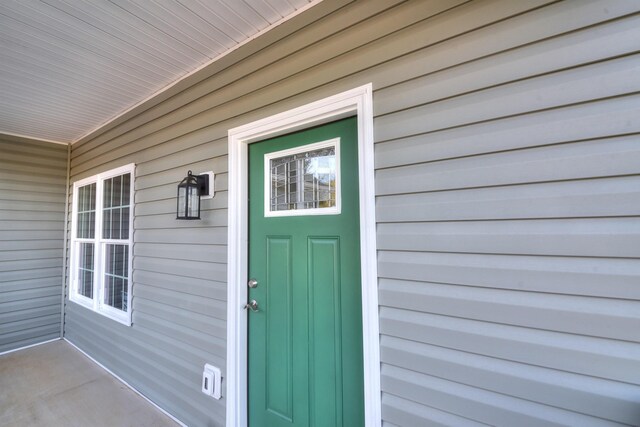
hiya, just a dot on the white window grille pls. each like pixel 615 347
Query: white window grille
pixel 101 242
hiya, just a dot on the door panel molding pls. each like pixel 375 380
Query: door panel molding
pixel 360 102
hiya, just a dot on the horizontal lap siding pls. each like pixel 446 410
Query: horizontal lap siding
pixel 32 192
pixel 507 206
pixel 508 228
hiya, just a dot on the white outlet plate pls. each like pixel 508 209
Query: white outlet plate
pixel 212 381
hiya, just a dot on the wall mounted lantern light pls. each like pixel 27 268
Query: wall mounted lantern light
pixel 190 190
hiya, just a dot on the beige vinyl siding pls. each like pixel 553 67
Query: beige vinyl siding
pixel 507 204
pixel 32 191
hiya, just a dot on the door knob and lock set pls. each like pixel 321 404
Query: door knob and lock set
pixel 253 304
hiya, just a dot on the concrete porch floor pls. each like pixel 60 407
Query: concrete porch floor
pixel 54 384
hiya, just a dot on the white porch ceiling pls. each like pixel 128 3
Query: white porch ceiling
pixel 67 67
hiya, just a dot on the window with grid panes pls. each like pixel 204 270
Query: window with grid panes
pixel 101 243
pixel 303 180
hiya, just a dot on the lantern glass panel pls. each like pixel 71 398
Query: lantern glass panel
pixel 182 201
pixel 193 203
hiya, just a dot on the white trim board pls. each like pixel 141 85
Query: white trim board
pixel 125 383
pixel 360 102
pixel 33 138
pixel 29 346
pixel 65 245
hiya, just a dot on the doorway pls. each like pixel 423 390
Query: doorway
pixel 356 102
pixel 305 316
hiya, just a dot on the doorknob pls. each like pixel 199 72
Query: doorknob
pixel 252 283
pixel 253 305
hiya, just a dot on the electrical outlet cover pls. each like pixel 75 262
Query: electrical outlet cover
pixel 212 381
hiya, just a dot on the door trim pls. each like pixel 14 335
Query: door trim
pixel 345 104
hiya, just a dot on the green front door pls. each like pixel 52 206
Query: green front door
pixel 305 339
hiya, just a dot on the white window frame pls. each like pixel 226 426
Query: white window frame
pixel 334 210
pixel 96 303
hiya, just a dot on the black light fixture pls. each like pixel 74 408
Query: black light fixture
pixel 189 191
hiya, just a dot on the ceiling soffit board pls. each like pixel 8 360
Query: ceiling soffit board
pixel 260 41
pixel 241 52
pixel 67 69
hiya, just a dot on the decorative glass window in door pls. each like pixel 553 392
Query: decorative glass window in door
pixel 303 180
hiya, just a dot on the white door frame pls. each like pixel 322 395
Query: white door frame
pixel 360 102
